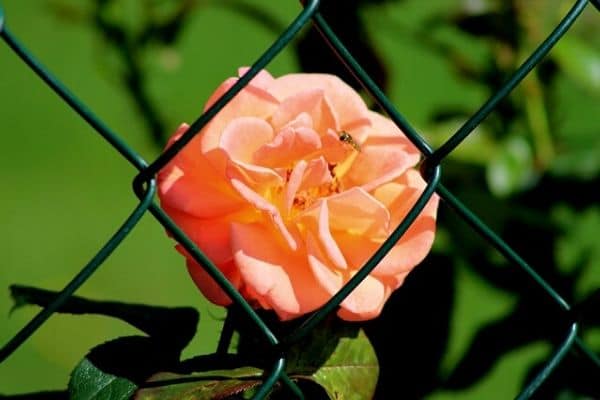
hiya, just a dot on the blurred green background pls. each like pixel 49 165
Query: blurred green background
pixel 531 170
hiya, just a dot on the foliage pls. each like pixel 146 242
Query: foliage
pixel 337 356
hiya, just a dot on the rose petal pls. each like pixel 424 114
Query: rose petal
pixel 294 183
pixel 356 249
pixel 365 301
pixel 207 285
pixel 384 156
pixel 409 251
pixel 210 235
pixel 312 102
pixel 261 80
pixel 330 279
pixel 282 278
pixel 185 157
pixel 376 166
pixel 383 130
pixel 259 179
pixel 289 146
pixel 249 102
pixel 400 196
pixel 394 267
pixel 334 150
pixel 243 136
pixel 178 184
pixel 412 247
pixel 317 220
pixel 316 174
pixel 302 120
pixel 272 212
pixel 305 176
pixel 347 105
pixel 353 211
pixel 326 239
pixel 356 211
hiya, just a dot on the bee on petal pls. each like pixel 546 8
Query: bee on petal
pixel 347 138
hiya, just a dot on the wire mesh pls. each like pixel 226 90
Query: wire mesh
pixel 144 187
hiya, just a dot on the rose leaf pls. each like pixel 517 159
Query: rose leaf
pixel 91 383
pixel 340 358
pixel 115 369
pixel 217 384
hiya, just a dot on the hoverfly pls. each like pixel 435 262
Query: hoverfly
pixel 347 138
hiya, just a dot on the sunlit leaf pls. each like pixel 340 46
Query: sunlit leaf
pixel 340 358
pixel 579 61
pixel 90 383
pixel 511 170
pixel 117 367
pixel 578 249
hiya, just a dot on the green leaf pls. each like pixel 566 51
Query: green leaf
pixel 217 384
pixel 580 159
pixel 113 370
pixel 512 169
pixel 579 61
pixel 90 383
pixel 578 249
pixel 339 357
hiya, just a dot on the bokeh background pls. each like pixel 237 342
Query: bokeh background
pixel 466 324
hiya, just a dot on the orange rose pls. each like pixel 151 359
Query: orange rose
pixel 290 189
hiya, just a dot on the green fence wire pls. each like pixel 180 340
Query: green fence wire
pixel 144 187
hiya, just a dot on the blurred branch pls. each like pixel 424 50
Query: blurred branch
pixel 130 46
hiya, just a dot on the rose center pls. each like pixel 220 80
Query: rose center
pixel 305 198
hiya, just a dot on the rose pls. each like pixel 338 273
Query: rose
pixel 290 189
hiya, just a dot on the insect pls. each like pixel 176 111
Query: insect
pixel 347 138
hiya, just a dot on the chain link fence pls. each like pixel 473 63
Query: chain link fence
pixel 144 187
